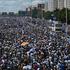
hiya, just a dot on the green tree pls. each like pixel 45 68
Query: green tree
pixel 21 13
pixel 62 15
pixel 34 13
pixel 56 14
pixel 47 15
pixel 11 13
pixel 4 13
pixel 68 11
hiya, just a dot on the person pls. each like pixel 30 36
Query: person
pixel 44 67
pixel 35 66
pixel 27 67
pixel 62 66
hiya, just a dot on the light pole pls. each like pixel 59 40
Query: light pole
pixel 66 19
pixel 30 11
pixel 66 29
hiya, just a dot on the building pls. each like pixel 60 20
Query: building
pixel 41 9
pixel 67 4
pixel 29 11
pixel 41 6
pixel 52 5
pixel 60 4
pixel 46 7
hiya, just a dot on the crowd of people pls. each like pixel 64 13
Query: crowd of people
pixel 27 44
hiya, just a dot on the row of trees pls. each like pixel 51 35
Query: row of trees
pixel 20 13
pixel 60 15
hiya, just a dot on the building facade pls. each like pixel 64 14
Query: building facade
pixel 51 5
pixel 46 7
pixel 60 4
pixel 67 3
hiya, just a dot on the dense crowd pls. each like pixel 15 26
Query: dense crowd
pixel 27 44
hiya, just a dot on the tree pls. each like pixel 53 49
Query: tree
pixel 34 12
pixel 4 13
pixel 62 15
pixel 47 15
pixel 21 13
pixel 56 14
pixel 11 13
pixel 68 11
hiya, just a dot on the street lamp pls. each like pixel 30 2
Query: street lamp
pixel 66 19
pixel 66 23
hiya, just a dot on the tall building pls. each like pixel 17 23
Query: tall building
pixel 52 5
pixel 60 4
pixel 41 6
pixel 46 6
pixel 67 4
